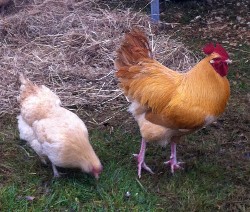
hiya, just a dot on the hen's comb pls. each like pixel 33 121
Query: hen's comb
pixel 209 49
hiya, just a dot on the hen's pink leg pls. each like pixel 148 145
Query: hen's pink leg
pixel 140 159
pixel 173 159
pixel 56 173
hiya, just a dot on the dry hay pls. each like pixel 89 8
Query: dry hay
pixel 71 49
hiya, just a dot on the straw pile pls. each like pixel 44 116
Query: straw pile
pixel 70 47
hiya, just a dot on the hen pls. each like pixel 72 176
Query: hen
pixel 55 133
pixel 167 104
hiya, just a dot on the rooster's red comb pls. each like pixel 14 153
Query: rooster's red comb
pixel 209 49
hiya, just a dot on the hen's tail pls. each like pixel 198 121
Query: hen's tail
pixel 134 48
pixel 27 87
pixel 22 79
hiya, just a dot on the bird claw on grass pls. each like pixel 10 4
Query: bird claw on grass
pixel 142 164
pixel 58 174
pixel 174 165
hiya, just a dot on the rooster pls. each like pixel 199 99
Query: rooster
pixel 167 104
pixel 55 133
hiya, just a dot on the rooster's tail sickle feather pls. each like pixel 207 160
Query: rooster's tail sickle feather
pixel 134 48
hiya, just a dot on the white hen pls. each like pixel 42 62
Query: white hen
pixel 55 133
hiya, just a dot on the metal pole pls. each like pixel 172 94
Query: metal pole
pixel 155 11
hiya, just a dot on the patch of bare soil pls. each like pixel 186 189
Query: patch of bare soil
pixel 226 20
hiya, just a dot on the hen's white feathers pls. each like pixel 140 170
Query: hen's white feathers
pixel 26 132
pixel 55 133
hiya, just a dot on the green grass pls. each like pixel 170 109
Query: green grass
pixel 204 185
pixel 26 176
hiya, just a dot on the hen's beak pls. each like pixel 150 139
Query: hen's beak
pixel 96 175
pixel 228 61
pixel 96 172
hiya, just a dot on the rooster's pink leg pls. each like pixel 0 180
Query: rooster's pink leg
pixel 173 159
pixel 140 159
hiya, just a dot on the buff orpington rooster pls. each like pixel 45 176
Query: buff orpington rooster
pixel 168 104
pixel 55 133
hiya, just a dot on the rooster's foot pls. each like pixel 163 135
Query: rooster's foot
pixel 142 164
pixel 174 164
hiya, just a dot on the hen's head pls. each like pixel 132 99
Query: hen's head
pixel 93 167
pixel 220 60
pixel 90 163
pixel 96 171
